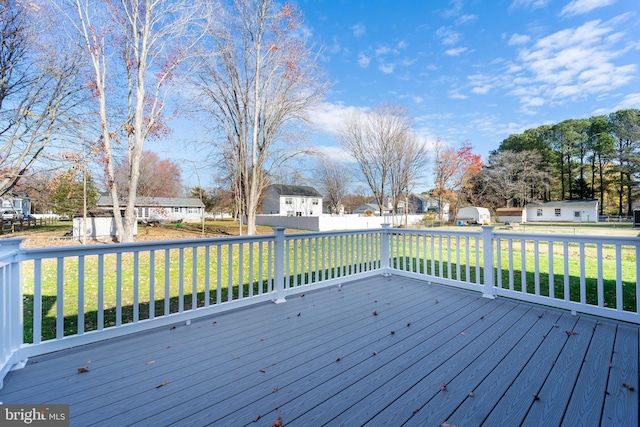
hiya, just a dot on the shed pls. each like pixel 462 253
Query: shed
pixel 511 215
pixel 100 224
pixel 473 215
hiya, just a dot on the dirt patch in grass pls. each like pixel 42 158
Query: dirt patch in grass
pixel 53 236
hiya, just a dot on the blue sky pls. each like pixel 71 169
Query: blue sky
pixel 467 70
pixel 476 70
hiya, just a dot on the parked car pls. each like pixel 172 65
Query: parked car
pixel 9 214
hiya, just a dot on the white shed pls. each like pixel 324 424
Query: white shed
pixel 473 215
pixel 511 215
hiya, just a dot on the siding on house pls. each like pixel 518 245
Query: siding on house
pixel 563 211
pixel 186 209
pixel 291 200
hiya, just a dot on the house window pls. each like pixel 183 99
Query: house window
pixel 576 214
pixel 558 212
pixel 315 201
pixel 194 210
pixel 538 212
pixel 289 213
pixel 176 210
pixel 288 201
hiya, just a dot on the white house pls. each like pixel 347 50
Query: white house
pixel 170 209
pixel 291 200
pixel 19 201
pixel 473 215
pixel 563 211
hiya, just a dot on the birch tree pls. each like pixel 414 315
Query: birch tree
pixel 257 83
pixel 39 87
pixel 135 49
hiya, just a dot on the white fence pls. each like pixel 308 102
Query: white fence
pixel 56 298
pixel 333 223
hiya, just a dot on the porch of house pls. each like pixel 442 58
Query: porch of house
pixel 382 350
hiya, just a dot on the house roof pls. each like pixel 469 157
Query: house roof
pixel 105 201
pixel 509 211
pixel 563 203
pixel 294 190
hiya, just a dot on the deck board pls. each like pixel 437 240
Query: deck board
pixel 328 357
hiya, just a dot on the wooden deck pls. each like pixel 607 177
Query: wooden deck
pixel 380 351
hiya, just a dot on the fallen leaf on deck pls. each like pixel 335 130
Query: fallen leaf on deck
pixel 375 313
pixel 150 362
pixel 302 296
pixel 472 394
pixel 338 359
pixel 408 324
pixel 463 333
pixel 481 317
pixel 535 396
pixel 572 333
pixel 610 364
pixel 163 384
pixel 263 370
pixel 299 314
pixel 447 425
pixel 392 332
pixel 256 420
pixel 172 328
pixel 415 411
pixel 214 323
pixel 275 389
pixel 375 353
pixel 278 422
pixel 444 387
pixel 436 301
pixel 628 386
pixel 83 370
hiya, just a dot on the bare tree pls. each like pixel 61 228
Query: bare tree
pixel 375 139
pixel 257 84
pixel 405 171
pixel 135 49
pixel 38 87
pixel 517 176
pixel 158 177
pixel 332 179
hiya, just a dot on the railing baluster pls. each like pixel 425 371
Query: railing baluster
pixel 194 278
pixel 619 292
pixel 251 265
pixel 536 264
pixel 583 282
pixel 136 283
pixel 207 275
pixel 181 280
pixel 219 274
pixel 167 282
pixel 37 301
pixel 552 284
pixel 600 283
pixel 119 289
pixel 152 284
pixel 240 270
pixel 81 290
pixel 100 292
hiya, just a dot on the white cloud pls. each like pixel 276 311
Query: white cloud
pixel 363 60
pixel 518 39
pixel 387 68
pixel 330 117
pixel 455 51
pixel 457 95
pixel 382 50
pixel 481 90
pixel 580 7
pixel 571 64
pixel 402 44
pixel 630 101
pixel 448 36
pixel 528 4
pixel 466 18
pixel 358 29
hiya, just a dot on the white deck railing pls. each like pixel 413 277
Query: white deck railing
pixel 56 298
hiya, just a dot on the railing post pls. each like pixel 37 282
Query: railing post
pixel 488 290
pixel 384 250
pixel 11 308
pixel 278 265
